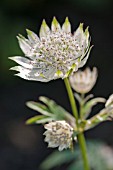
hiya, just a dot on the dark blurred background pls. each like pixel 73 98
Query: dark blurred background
pixel 21 146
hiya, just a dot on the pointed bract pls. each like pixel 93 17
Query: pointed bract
pixel 66 26
pixel 24 45
pixel 22 61
pixel 55 26
pixel 32 36
pixel 44 30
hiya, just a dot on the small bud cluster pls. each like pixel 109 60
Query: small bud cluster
pixel 83 81
pixel 58 134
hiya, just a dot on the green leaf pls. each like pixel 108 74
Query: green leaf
pixel 103 115
pixel 39 108
pixel 56 159
pixel 76 165
pixel 62 114
pixel 98 158
pixel 46 120
pixel 52 106
pixel 35 119
pixel 51 110
pixel 59 112
pixel 50 103
pixel 88 106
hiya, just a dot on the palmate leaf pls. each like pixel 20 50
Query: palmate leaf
pixel 59 112
pixel 51 110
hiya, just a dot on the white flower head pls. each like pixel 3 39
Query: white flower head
pixel 58 134
pixel 109 102
pixel 83 81
pixel 54 54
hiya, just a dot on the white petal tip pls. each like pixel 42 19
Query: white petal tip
pixel 11 58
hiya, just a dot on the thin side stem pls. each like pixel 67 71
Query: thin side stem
pixel 81 105
pixel 81 138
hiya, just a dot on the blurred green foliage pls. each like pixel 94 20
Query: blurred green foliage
pixel 100 158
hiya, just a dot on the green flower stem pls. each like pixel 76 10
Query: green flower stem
pixel 72 100
pixel 82 144
pixel 81 138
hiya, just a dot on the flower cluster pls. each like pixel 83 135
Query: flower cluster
pixel 55 54
pixel 58 134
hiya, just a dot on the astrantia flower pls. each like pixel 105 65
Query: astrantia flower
pixel 83 81
pixel 54 54
pixel 58 134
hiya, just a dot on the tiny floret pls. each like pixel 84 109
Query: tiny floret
pixel 58 134
pixel 83 81
pixel 56 53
